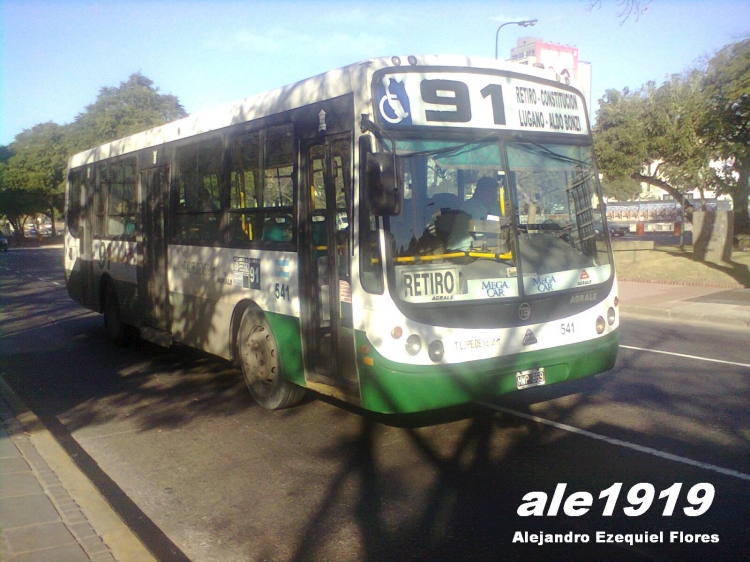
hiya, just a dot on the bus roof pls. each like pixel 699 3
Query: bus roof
pixel 324 86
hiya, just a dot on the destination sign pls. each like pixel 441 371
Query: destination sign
pixel 428 284
pixel 488 101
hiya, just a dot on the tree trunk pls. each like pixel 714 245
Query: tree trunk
pixel 739 201
pixel 52 218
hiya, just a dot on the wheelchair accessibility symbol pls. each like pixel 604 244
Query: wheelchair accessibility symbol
pixel 394 102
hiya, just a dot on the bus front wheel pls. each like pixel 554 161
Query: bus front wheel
pixel 259 357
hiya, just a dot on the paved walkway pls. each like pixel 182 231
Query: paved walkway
pixel 728 308
pixel 38 518
pixel 50 512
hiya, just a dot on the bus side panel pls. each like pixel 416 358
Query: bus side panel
pixel 202 323
pixel 390 387
pixel 207 284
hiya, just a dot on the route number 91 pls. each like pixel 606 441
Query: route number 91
pixel 452 93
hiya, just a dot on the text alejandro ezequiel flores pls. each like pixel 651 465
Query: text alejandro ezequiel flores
pixel 639 499
pixel 542 538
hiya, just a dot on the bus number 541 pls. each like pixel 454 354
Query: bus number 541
pixel 282 292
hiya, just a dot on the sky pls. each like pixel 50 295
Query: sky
pixel 55 56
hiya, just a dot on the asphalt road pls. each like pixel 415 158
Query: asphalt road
pixel 177 446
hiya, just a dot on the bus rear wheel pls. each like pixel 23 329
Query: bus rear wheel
pixel 259 357
pixel 113 324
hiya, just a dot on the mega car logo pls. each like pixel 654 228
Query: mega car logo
pixel 544 283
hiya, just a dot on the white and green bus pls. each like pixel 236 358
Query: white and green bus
pixel 324 235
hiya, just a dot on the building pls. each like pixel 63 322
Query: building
pixel 561 59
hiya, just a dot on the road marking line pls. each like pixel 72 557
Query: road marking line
pixel 686 356
pixel 620 443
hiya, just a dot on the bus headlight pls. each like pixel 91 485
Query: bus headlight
pixel 413 344
pixel 611 315
pixel 600 325
pixel 436 351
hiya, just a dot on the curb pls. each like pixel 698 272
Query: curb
pixel 103 520
pixel 715 318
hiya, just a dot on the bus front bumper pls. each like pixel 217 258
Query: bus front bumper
pixel 395 388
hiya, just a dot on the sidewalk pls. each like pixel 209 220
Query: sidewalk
pixel 49 511
pixel 729 308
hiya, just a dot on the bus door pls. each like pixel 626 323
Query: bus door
pixel 152 247
pixel 326 263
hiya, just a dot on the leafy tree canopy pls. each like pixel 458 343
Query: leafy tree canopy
pixel 32 168
pixel 726 124
pixel 623 189
pixel 118 112
pixel 676 135
pixel 33 180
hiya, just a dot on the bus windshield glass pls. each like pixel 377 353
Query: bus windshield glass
pixel 491 219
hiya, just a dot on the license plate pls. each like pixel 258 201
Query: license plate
pixel 532 377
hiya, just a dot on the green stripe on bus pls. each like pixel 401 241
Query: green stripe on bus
pixel 391 387
pixel 286 330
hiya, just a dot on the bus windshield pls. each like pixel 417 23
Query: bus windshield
pixel 492 219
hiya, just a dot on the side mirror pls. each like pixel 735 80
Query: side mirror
pixel 382 187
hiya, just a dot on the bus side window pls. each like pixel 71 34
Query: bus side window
pixel 245 223
pixel 77 181
pixel 261 187
pixel 278 184
pixel 98 194
pixel 197 214
pixel 121 199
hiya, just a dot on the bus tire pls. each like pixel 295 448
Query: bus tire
pixel 113 324
pixel 259 359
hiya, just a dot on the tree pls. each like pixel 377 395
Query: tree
pixel 15 204
pixel 653 136
pixel 34 176
pixel 676 113
pixel 118 112
pixel 33 166
pixel 693 131
pixel 623 189
pixel 726 123
pixel 620 135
